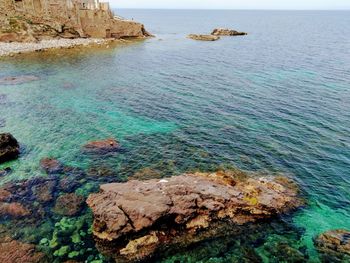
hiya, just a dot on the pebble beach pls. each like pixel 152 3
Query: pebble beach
pixel 8 49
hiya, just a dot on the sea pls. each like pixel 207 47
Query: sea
pixel 276 102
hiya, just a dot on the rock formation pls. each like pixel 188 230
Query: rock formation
pixel 68 204
pixel 51 166
pixel 12 251
pixel 9 148
pixel 137 220
pixel 101 147
pixel 334 245
pixel 33 20
pixel 227 32
pixel 203 37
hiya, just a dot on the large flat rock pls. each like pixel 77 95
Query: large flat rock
pixel 135 220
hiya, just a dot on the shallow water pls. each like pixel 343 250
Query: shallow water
pixel 275 101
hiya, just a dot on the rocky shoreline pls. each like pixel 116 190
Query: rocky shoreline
pixel 10 49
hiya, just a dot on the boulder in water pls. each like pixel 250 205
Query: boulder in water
pixel 9 147
pixel 102 147
pixel 203 37
pixel 136 220
pixel 227 32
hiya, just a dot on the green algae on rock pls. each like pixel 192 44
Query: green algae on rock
pixel 133 221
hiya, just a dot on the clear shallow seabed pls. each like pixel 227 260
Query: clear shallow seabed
pixel 276 101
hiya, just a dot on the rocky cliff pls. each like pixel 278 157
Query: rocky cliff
pixel 34 20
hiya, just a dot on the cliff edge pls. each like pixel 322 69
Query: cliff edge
pixel 35 20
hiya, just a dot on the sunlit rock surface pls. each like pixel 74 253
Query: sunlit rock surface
pixel 227 32
pixel 138 219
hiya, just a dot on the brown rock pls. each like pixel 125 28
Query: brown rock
pixel 334 245
pixel 227 32
pixel 44 192
pixel 69 204
pixel 51 166
pixel 14 209
pixel 140 218
pixel 9 148
pixel 4 195
pixel 12 251
pixel 203 37
pixel 103 146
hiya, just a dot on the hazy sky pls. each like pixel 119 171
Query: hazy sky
pixel 233 4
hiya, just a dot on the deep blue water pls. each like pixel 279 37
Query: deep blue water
pixel 275 101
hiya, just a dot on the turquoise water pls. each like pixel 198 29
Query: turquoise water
pixel 275 101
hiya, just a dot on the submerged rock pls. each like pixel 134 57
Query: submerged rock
pixel 13 209
pixel 133 221
pixel 227 32
pixel 9 147
pixel 18 80
pixel 12 251
pixel 102 147
pixel 69 204
pixel 51 166
pixel 5 171
pixel 101 171
pixel 203 37
pixel 44 191
pixel 146 174
pixel 2 122
pixel 5 195
pixel 26 198
pixel 334 245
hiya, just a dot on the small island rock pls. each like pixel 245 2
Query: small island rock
pixel 135 220
pixel 227 32
pixel 9 148
pixel 101 147
pixel 203 37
